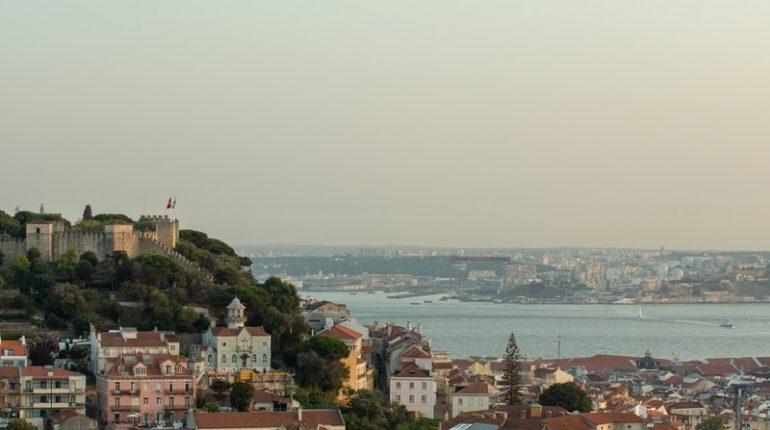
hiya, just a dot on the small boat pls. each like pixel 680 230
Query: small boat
pixel 414 303
pixel 428 301
pixel 727 324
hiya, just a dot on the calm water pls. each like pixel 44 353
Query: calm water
pixel 668 331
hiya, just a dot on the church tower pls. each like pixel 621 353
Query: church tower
pixel 236 317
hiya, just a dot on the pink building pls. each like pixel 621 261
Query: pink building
pixel 142 389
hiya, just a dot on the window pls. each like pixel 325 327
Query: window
pixel 171 386
pixel 146 401
pixel 157 400
pixel 224 359
pixel 209 359
pixel 171 402
pixel 254 358
pixel 117 386
pixel 411 385
pixel 460 402
pixel 264 358
pixel 424 386
pixel 146 386
pixel 234 359
pixel 411 399
pixel 186 402
pixel 424 399
pixel 398 385
pixel 168 369
pixel 398 398
pixel 187 386
pixel 117 402
pixel 133 386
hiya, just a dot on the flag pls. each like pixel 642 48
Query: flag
pixel 169 205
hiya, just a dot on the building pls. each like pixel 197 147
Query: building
pixel 359 374
pixel 128 341
pixel 145 389
pixel 69 420
pixel 315 419
pixel 595 421
pixel 508 417
pixel 414 388
pixel 473 397
pixel 13 352
pixel 43 391
pixel 226 350
pixel 55 237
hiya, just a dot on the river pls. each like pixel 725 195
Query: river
pixel 684 331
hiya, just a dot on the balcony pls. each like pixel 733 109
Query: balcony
pixel 125 408
pixel 125 392
pixel 177 407
pixel 180 390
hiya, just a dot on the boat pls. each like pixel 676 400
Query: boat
pixel 443 299
pixel 371 292
pixel 727 324
pixel 428 301
pixel 414 303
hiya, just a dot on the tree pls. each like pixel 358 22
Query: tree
pixel 20 424
pixel 241 395
pixel 65 301
pixel 511 376
pixel 220 386
pixel 88 213
pixel 42 351
pixel 712 423
pixel 327 347
pixel 368 410
pixel 568 396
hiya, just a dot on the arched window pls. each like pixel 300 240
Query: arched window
pixel 254 359
pixel 264 358
pixel 224 359
pixel 235 360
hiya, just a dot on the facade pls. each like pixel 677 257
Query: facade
pixel 235 347
pixel 359 374
pixel 53 238
pixel 596 421
pixel 13 352
pixel 474 397
pixel 145 389
pixel 42 391
pixel 127 341
pixel 315 419
pixel 414 388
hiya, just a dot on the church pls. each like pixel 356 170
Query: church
pixel 235 347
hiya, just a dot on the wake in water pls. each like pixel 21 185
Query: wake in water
pixel 643 317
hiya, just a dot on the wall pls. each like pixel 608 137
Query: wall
pixel 11 247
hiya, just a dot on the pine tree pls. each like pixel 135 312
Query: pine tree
pixel 87 214
pixel 512 378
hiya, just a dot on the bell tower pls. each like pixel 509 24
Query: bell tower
pixel 236 317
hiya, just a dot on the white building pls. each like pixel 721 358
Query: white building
pixel 229 349
pixel 414 388
pixel 474 397
pixel 128 341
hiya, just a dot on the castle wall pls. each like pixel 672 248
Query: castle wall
pixel 98 242
pixel 11 247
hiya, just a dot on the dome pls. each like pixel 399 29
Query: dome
pixel 236 304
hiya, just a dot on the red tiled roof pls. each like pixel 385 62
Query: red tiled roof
pixel 152 363
pixel 144 339
pixel 43 372
pixel 567 422
pixel 412 371
pixel 290 419
pixel 415 352
pixel 477 388
pixel 608 418
pixel 232 332
pixel 341 332
pixel 15 346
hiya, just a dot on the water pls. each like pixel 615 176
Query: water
pixel 667 331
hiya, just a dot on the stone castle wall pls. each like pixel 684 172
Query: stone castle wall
pixel 11 247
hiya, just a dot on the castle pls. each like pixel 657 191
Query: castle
pixel 54 238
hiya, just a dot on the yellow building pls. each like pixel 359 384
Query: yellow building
pixel 360 377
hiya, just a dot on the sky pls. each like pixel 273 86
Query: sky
pixel 435 122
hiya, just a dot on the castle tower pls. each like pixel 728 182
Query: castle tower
pixel 167 230
pixel 236 317
pixel 40 236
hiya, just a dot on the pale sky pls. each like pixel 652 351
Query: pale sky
pixel 443 123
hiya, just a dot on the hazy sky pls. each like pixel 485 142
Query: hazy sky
pixel 474 123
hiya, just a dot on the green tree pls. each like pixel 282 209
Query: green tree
pixel 211 407
pixel 512 376
pixel 568 396
pixel 241 395
pixel 326 347
pixel 65 301
pixel 712 423
pixel 313 371
pixel 219 386
pixel 20 271
pixel 88 213
pixel 65 265
pixel 81 323
pixel 20 424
